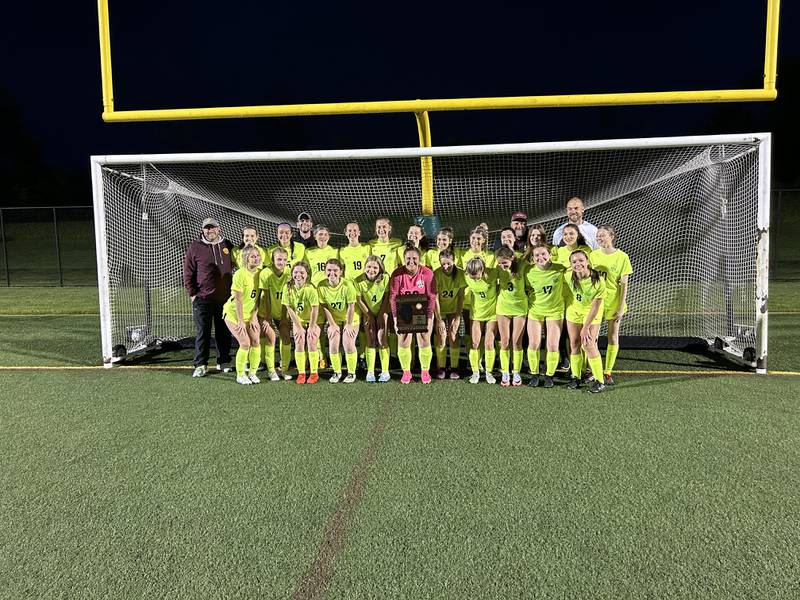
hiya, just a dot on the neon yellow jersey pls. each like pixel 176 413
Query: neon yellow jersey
pixel 545 291
pixel 448 286
pixel 484 296
pixel 562 254
pixel 581 298
pixel 372 292
pixel 336 299
pixel 613 267
pixel 247 283
pixel 433 258
pixel 512 300
pixel 488 258
pixel 300 301
pixel 387 252
pixel 354 258
pixel 272 284
pixel 236 256
pixel 318 258
pixel 295 250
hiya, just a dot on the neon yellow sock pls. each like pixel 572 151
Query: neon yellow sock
pixel 505 360
pixel 490 356
pixel 254 358
pixel 313 361
pixel 474 359
pixel 441 357
pixel 552 363
pixel 575 364
pixel 352 361
pixel 425 356
pixel 286 357
pixel 268 351
pixel 518 360
pixel 533 361
pixel 384 354
pixel 370 354
pixel 300 359
pixel 611 357
pixel 455 357
pixel 241 361
pixel 336 362
pixel 404 354
pixel 596 365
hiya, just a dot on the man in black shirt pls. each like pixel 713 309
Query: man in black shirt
pixel 303 234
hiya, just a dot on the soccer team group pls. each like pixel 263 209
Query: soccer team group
pixel 315 300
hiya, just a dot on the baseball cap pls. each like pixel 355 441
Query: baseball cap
pixel 210 222
pixel 304 216
pixel 519 216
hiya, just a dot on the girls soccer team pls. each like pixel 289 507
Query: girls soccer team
pixel 330 294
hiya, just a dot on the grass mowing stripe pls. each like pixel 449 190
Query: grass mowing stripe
pixel 318 576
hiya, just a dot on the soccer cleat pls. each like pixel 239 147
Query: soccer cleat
pixel 273 376
pixel 286 375
pixel 199 371
pixel 349 378
pixel 254 379
pixel 425 376
pixel 574 384
pixel 301 378
pixel 548 381
pixel 608 379
pixel 596 387
pixel 454 375
pixel 475 377
pixel 406 378
pixel 490 379
pixel 313 378
pixel 244 380
pixel 534 382
pixel 335 378
pixel 505 380
pixel 224 367
pixel 516 379
pixel 440 374
pixel 370 377
pixel 563 364
pixel 362 363
pixel 384 377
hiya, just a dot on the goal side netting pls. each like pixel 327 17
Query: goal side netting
pixel 692 213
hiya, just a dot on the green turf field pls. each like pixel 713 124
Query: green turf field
pixel 141 482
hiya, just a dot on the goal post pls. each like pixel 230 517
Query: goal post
pixel 692 212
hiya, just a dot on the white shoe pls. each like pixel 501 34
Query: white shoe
pixel 350 378
pixel 286 375
pixel 384 377
pixel 475 377
pixel 273 376
pixel 244 380
pixel 335 378
pixel 224 367
pixel 490 378
pixel 199 371
pixel 254 379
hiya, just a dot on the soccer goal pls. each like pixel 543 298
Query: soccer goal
pixel 692 213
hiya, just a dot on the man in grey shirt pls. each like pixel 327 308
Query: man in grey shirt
pixel 575 208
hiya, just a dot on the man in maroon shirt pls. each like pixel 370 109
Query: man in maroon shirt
pixel 207 276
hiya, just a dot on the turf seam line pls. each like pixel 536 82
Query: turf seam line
pixel 316 579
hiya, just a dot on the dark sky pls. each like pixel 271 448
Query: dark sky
pixel 194 54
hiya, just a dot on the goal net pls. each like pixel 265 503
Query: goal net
pixel 692 213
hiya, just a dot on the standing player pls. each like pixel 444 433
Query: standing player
pixel 509 240
pixel 511 310
pixel 545 285
pixel 482 283
pixel 371 286
pixel 571 240
pixel 354 255
pixel 615 266
pixel 536 235
pixel 478 248
pixel 415 237
pixel 249 238
pixel 302 307
pixel 295 251
pixel 319 255
pixel 444 241
pixel 587 290
pixel 271 281
pixel 413 278
pixel 241 316
pixel 384 245
pixel 450 286
pixel 337 298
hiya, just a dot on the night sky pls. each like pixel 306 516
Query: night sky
pixel 196 54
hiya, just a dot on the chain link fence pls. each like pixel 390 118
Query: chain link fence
pixel 55 247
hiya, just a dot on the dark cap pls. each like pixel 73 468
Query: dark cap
pixel 210 222
pixel 519 216
pixel 304 216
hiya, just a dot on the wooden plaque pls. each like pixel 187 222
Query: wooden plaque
pixel 412 313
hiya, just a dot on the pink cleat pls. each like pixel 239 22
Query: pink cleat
pixel 425 376
pixel 406 378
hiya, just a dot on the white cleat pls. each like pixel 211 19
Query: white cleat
pixel 350 378
pixel 384 377
pixel 273 376
pixel 199 371
pixel 254 379
pixel 244 380
pixel 490 378
pixel 475 377
pixel 224 367
pixel 335 378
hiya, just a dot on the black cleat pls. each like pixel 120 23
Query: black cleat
pixel 596 387
pixel 534 382
pixel 548 381
pixel 563 364
pixel 574 384
pixel 608 380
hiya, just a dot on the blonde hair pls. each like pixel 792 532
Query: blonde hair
pixel 475 267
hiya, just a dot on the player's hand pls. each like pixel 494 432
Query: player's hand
pixel 586 335
pixel 350 331
pixel 313 332
pixel 618 314
pixel 441 328
pixel 265 327
pixel 240 327
pixel 254 326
